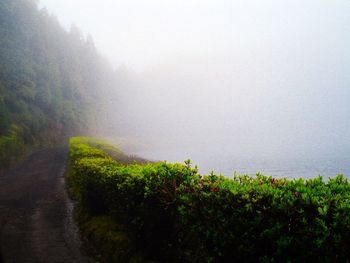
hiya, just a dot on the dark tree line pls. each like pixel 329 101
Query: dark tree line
pixel 51 80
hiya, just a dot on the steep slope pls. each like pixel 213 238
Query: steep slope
pixel 51 80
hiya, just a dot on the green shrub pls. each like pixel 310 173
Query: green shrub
pixel 111 244
pixel 11 147
pixel 173 214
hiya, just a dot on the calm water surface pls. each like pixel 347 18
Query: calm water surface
pixel 277 167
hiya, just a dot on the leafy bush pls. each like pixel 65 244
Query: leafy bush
pixel 174 214
pixel 10 147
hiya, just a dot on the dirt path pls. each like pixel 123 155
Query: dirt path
pixel 36 213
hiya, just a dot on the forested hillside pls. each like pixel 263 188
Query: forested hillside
pixel 51 80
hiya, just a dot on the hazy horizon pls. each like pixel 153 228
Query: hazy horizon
pixel 241 79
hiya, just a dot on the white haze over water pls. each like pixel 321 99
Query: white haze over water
pixel 246 85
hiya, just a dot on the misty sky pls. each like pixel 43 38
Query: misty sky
pixel 240 78
pixel 143 32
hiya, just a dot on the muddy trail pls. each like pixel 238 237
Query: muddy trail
pixel 36 213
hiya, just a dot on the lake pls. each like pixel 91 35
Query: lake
pixel 277 167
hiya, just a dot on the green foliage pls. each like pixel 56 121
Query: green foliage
pixel 174 214
pixel 111 243
pixel 10 146
pixel 50 79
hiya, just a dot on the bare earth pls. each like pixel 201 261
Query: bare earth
pixel 36 213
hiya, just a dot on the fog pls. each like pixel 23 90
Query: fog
pixel 223 80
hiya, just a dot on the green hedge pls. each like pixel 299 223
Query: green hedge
pixel 173 214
